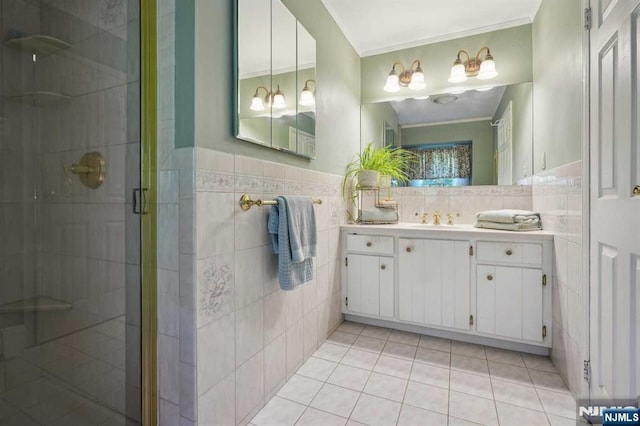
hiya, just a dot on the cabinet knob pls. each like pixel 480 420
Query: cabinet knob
pixel 408 249
pixel 489 277
pixel 369 244
pixel 383 267
pixel 509 252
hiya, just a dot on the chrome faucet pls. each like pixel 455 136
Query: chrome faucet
pixel 436 218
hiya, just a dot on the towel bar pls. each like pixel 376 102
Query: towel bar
pixel 246 202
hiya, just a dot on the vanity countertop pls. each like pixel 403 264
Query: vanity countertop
pixel 418 229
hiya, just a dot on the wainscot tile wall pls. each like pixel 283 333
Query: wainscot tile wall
pixel 557 195
pixel 252 336
pixel 466 201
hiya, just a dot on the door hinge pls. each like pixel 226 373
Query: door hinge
pixel 586 371
pixel 544 279
pixel 470 319
pixel 587 18
pixel 470 250
pixel 346 301
pixel 346 261
pixel 544 331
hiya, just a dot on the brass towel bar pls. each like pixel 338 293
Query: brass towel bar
pixel 246 202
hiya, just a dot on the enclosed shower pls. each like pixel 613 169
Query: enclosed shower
pixel 70 239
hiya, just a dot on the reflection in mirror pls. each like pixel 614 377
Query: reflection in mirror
pixel 283 75
pixel 275 78
pixel 305 128
pixel 254 70
pixel 390 135
pixel 475 137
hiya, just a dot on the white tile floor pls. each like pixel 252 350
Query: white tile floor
pixel 377 376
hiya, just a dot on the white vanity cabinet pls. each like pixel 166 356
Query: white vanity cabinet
pixel 370 276
pixel 510 288
pixel 433 282
pixel 482 286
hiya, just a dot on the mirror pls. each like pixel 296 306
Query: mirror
pixel 275 64
pixel 471 138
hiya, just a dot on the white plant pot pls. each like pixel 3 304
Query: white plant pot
pixel 368 178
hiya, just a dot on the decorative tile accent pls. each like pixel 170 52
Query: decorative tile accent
pixel 215 287
pixel 214 181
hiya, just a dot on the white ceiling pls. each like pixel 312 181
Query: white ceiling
pixel 378 26
pixel 470 105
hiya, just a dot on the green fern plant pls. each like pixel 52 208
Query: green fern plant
pixel 394 162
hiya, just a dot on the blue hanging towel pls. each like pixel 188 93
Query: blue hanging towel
pixel 292 225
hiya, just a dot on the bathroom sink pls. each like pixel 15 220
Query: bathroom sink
pixel 444 227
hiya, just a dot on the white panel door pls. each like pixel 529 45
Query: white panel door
pixel 363 286
pixel 509 302
pixel 485 299
pixel 386 277
pixel 433 282
pixel 508 282
pixel 411 271
pixel 615 212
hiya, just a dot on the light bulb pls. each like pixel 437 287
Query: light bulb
pixel 458 74
pixel 256 103
pixel 417 80
pixel 392 84
pixel 278 99
pixel 487 69
pixel 306 97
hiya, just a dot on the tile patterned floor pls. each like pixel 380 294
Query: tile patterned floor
pixel 366 375
pixel 68 381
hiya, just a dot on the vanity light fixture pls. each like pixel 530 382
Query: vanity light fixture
pixel 413 78
pixel 270 99
pixel 483 69
pixel 307 96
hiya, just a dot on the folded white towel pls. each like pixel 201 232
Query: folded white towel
pixel 508 226
pixel 509 216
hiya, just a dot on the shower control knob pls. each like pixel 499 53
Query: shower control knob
pixel 509 252
pixel 408 249
pixel 369 244
pixel 489 277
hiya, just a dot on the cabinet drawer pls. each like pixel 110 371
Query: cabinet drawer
pixel 370 244
pixel 525 253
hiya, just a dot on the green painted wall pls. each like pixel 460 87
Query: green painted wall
pixel 184 73
pixel 338 88
pixel 480 133
pixel 373 117
pixel 521 98
pixel 511 49
pixel 557 83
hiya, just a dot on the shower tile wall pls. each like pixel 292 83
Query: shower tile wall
pixel 62 240
pixel 82 248
pixel 18 148
pixel 557 195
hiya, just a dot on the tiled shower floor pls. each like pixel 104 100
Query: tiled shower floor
pixel 39 387
pixel 375 376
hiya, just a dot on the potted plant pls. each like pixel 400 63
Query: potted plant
pixel 372 162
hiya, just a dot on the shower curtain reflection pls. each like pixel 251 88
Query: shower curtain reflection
pixel 69 257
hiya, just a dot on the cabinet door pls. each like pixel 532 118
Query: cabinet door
pixel 411 272
pixel 509 302
pixel 433 282
pixel 370 285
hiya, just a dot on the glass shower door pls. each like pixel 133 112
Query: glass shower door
pixel 70 241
